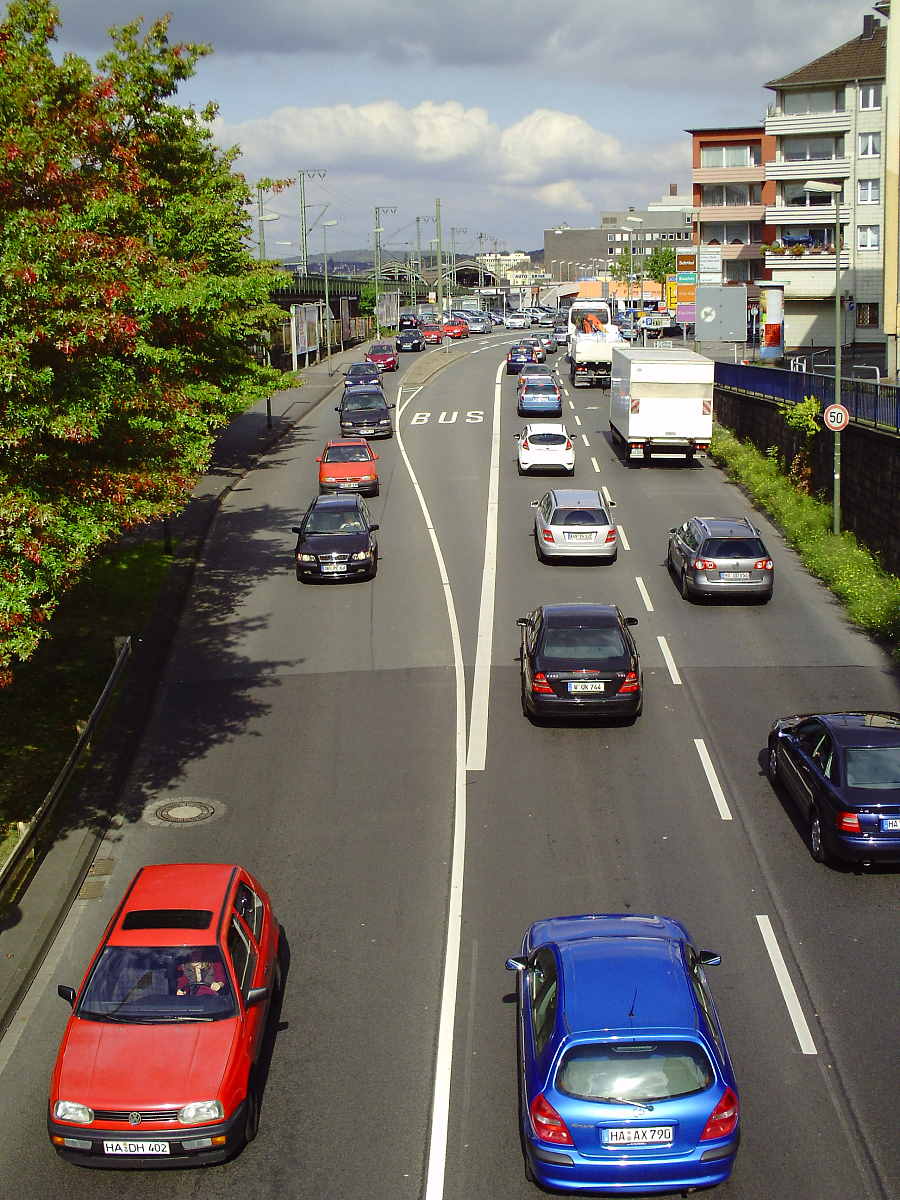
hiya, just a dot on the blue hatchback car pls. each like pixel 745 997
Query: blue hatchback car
pixel 625 1084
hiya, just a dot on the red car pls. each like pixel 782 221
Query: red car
pixel 384 356
pixel 348 465
pixel 157 1066
pixel 454 328
pixel 433 333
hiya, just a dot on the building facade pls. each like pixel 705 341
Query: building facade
pixel 827 124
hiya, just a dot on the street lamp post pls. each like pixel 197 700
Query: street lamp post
pixel 261 217
pixel 835 190
pixel 631 222
pixel 325 227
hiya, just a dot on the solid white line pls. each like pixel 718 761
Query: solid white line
pixel 440 1103
pixel 713 780
pixel 577 419
pixel 571 405
pixel 622 538
pixel 645 595
pixel 411 396
pixel 481 683
pixel 595 465
pixel 670 661
pixel 584 439
pixel 788 991
pixel 606 496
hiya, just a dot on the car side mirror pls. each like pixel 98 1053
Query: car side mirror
pixel 516 437
pixel 337 408
pixel 319 459
pixel 522 622
pixel 631 620
pixel 66 993
pixel 535 503
pixel 296 529
pixel 611 503
pixel 372 528
pixel 256 996
pixel 516 964
pixel 709 958
pixel 673 530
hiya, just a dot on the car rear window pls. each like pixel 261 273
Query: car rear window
pixel 579 516
pixel 583 643
pixel 544 387
pixel 749 547
pixel 874 767
pixel 634 1070
pixel 167 918
pixel 547 439
pixel 382 348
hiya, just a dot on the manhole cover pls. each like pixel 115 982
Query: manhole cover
pixel 184 812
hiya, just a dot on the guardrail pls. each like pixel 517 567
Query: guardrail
pixel 12 870
pixel 872 404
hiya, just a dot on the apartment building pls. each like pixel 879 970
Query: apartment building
pixel 730 198
pixel 500 263
pixel 827 124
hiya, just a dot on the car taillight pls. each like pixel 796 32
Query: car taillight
pixel 848 822
pixel 630 683
pixel 763 564
pixel 540 685
pixel 611 536
pixel 568 443
pixel 723 1118
pixel 704 564
pixel 524 444
pixel 547 535
pixel 547 1124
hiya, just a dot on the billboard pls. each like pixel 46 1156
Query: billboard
pixel 388 310
pixel 721 313
pixel 771 321
pixel 345 319
pixel 306 327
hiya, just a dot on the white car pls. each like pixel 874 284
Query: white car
pixel 545 446
pixel 517 320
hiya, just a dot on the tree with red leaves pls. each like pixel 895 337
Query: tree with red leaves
pixel 129 307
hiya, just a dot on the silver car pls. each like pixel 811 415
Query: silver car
pixel 719 556
pixel 574 523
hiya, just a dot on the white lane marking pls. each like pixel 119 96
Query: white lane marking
pixel 584 439
pixel 411 396
pixel 566 392
pixel 571 405
pixel 713 780
pixel 670 661
pixel 622 538
pixel 595 465
pixel 605 490
pixel 577 419
pixel 645 595
pixel 443 1065
pixel 481 683
pixel 788 991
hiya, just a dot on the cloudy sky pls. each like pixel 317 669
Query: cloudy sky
pixel 519 114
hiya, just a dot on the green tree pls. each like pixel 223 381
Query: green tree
pixel 624 266
pixel 129 304
pixel 660 263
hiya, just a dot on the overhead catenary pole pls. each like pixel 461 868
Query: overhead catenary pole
pixel 481 237
pixel 379 209
pixel 454 282
pixel 302 176
pixel 440 255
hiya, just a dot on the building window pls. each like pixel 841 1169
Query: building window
pixel 869 95
pixel 811 149
pixel 722 233
pixel 795 195
pixel 729 156
pixel 868 191
pixel 802 104
pixel 867 316
pixel 868 237
pixel 870 145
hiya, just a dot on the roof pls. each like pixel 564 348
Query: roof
pixel 606 979
pixel 864 728
pixel 358 441
pixel 173 886
pixel 348 500
pixel 561 616
pixel 750 127
pixel 860 58
pixel 728 526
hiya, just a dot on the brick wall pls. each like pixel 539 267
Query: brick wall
pixel 870 468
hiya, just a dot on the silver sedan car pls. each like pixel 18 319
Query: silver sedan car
pixel 574 523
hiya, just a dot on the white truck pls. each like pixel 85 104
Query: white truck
pixel 660 402
pixel 592 336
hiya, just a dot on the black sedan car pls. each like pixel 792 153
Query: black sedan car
pixel 363 372
pixel 410 339
pixel 336 540
pixel 365 412
pixel 842 770
pixel 579 660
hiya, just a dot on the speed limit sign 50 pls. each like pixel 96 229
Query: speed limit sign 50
pixel 836 417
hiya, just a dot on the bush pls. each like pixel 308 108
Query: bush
pixel 870 594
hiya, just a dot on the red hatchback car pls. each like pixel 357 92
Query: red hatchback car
pixel 348 465
pixel 456 329
pixel 433 333
pixel 384 356
pixel 158 1063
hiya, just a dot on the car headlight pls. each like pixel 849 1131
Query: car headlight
pixel 201 1110
pixel 386 422
pixel 306 558
pixel 70 1110
pixel 367 478
pixel 360 555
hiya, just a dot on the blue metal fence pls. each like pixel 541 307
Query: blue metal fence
pixel 873 404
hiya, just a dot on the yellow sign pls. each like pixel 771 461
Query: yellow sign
pixel 671 293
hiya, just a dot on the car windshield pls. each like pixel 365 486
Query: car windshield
pixel 547 439
pixel 340 520
pixel 637 1071
pixel 749 547
pixel 579 516
pixel 382 348
pixel 874 767
pixel 347 454
pixel 158 984
pixel 367 402
pixel 583 642
pixel 361 371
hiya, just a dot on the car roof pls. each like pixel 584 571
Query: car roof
pixel 346 442
pixel 358 389
pixel 350 500
pixel 863 728
pixel 174 887
pixel 545 427
pixel 727 526
pixel 577 498
pixel 562 616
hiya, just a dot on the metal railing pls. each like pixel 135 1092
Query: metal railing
pixel 877 405
pixel 11 869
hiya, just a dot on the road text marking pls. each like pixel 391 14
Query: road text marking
pixel 670 661
pixel 788 991
pixel 713 780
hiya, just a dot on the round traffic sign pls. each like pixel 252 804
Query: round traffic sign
pixel 836 417
pixel 707 313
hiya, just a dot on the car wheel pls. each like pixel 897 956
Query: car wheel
pixel 538 551
pixel 529 1174
pixel 613 557
pixel 251 1118
pixel 766 598
pixel 817 848
pixel 685 590
pixel 374 570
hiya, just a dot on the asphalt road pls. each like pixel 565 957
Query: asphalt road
pixel 324 724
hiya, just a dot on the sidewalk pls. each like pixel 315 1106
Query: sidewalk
pixel 28 928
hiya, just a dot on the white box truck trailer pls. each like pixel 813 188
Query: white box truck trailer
pixel 660 402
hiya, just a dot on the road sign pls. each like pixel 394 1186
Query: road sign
pixel 721 313
pixel 686 260
pixel 836 417
pixel 686 277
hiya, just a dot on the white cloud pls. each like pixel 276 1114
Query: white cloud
pixel 565 195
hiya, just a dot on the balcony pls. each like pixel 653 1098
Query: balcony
pixel 728 174
pixel 731 212
pixel 804 262
pixel 829 168
pixel 834 122
pixel 812 214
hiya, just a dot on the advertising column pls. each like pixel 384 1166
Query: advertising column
pixel 771 321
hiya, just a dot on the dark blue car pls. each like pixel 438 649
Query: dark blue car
pixel 517 357
pixel 625 1081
